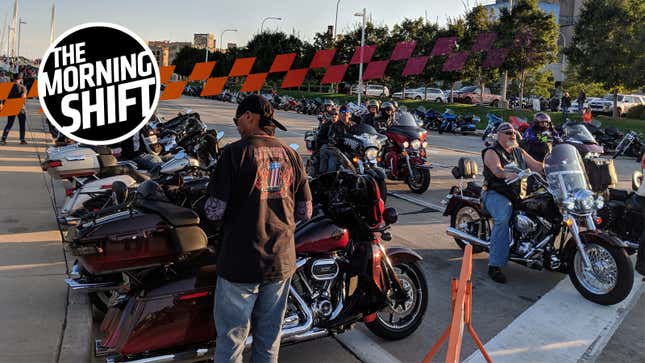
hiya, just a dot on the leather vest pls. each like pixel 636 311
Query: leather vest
pixel 514 191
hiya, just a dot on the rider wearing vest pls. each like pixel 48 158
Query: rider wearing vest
pixel 499 197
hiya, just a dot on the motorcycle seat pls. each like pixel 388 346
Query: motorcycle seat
pixel 474 188
pixel 123 170
pixel 206 276
pixel 619 195
pixel 175 215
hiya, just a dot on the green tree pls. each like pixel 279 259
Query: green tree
pixel 478 20
pixel 538 83
pixel 608 44
pixel 185 60
pixel 531 35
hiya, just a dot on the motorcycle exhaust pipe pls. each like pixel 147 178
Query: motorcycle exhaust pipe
pixel 454 232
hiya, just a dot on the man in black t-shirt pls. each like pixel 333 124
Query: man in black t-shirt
pixel 17 91
pixel 259 190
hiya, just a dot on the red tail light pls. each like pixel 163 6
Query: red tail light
pixel 69 192
pixel 106 186
pixel 54 163
pixel 193 295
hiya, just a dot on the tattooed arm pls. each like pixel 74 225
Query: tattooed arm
pixel 214 209
pixel 304 210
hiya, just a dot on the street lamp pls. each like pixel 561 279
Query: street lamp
pixel 336 21
pixel 20 22
pixel 265 19
pixel 221 36
pixel 360 65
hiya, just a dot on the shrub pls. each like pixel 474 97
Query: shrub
pixel 637 112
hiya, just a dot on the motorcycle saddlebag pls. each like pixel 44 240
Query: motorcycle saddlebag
pixel 601 173
pixel 66 162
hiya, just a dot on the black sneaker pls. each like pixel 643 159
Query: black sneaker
pixel 23 142
pixel 496 274
pixel 3 142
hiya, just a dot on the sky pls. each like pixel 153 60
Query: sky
pixel 178 20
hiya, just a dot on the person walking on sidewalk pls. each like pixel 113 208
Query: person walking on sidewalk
pixel 17 91
pixel 258 190
pixel 566 104
pixel 582 98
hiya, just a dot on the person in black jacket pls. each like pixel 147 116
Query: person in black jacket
pixel 327 160
pixel 17 91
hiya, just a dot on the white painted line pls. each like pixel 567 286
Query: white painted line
pixel 561 327
pixel 365 348
pixel 417 201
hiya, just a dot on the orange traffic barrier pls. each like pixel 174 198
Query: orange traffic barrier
pixel 462 303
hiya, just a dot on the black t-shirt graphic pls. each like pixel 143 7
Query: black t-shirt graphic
pixel 261 180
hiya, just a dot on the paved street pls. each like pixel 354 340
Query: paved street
pixel 520 321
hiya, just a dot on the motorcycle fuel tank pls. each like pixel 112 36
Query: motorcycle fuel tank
pixel 320 235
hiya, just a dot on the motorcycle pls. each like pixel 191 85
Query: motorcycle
pixel 518 123
pixel 579 136
pixel 630 145
pixel 344 275
pixel 595 261
pixel 449 121
pixel 405 153
pixel 468 123
pixel 622 214
pixel 493 121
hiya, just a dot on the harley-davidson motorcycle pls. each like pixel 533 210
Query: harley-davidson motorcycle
pixel 344 275
pixel 405 153
pixel 596 262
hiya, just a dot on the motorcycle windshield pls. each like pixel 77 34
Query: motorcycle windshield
pixel 405 119
pixel 565 172
pixel 367 135
pixel 578 132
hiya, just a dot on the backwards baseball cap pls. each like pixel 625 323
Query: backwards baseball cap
pixel 260 106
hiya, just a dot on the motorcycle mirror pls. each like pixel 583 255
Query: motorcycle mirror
pixel 294 146
pixel 220 135
pixel 119 192
pixel 390 215
pixel 637 179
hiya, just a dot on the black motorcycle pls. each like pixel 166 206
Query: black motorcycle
pixel 631 145
pixel 596 262
pixel 622 214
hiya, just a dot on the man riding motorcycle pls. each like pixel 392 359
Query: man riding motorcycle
pixel 327 159
pixel 337 132
pixel 498 196
pixel 384 119
pixel 372 112
pixel 325 114
pixel 535 142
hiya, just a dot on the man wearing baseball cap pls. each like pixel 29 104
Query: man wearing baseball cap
pixel 258 191
pixel 498 197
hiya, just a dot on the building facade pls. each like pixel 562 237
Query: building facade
pixel 166 51
pixel 204 40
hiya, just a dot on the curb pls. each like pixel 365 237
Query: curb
pixel 76 343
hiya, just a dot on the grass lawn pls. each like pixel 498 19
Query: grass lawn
pixel 459 108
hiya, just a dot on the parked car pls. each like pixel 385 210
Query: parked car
pixel 574 103
pixel 471 94
pixel 625 102
pixel 433 94
pixel 375 90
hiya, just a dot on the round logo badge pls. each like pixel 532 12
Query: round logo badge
pixel 99 83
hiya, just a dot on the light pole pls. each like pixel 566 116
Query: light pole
pixel 221 36
pixel 20 22
pixel 510 9
pixel 360 65
pixel 336 21
pixel 564 57
pixel 268 18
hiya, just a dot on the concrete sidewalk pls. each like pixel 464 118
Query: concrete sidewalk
pixel 34 296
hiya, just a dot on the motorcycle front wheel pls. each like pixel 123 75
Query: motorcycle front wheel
pixel 610 278
pixel 419 181
pixel 394 323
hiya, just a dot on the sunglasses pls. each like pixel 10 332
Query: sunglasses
pixel 508 133
pixel 343 111
pixel 334 114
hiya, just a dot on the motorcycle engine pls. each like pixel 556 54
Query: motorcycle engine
pixel 526 232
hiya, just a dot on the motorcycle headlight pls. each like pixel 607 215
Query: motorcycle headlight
pixel 600 202
pixel 425 144
pixel 569 203
pixel 416 144
pixel 585 199
pixel 406 144
pixel 371 153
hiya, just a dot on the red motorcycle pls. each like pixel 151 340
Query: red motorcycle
pixel 344 275
pixel 405 157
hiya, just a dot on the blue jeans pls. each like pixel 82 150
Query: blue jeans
pixel 241 308
pixel 327 160
pixel 147 161
pixel 500 237
pixel 22 117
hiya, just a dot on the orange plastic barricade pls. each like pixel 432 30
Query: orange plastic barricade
pixel 462 299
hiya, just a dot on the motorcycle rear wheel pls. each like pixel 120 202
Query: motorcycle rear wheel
pixel 458 220
pixel 617 268
pixel 411 314
pixel 420 182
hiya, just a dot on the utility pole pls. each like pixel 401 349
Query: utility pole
pixel 336 21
